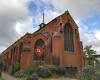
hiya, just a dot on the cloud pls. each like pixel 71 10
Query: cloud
pixel 2 48
pixel 97 34
pixel 11 12
pixel 78 8
pixel 51 15
pixel 25 26
pixel 20 16
pixel 89 37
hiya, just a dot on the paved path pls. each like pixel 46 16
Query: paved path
pixel 7 76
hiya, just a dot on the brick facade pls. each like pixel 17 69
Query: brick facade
pixel 52 34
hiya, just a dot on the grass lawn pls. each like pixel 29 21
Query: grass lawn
pixel 1 78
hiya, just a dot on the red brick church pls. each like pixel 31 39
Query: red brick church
pixel 55 43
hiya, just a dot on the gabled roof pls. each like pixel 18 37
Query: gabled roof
pixel 38 31
pixel 46 25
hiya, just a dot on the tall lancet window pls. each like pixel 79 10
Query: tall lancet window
pixel 68 38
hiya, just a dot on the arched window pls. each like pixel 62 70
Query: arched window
pixel 68 38
pixel 39 51
pixel 39 42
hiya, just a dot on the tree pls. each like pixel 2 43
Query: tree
pixel 90 54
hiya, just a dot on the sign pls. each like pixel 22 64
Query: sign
pixel 39 51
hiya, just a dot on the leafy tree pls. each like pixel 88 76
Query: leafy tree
pixel 90 54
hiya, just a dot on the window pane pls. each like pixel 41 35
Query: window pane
pixel 68 38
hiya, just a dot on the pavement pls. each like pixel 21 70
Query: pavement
pixel 7 76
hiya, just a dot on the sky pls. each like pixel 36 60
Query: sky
pixel 18 17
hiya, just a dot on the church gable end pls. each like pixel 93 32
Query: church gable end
pixel 48 45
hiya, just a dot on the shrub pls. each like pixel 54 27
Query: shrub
pixel 55 70
pixel 43 72
pixel 89 73
pixel 30 71
pixel 33 77
pixel 20 74
pixel 24 73
pixel 70 71
pixel 58 71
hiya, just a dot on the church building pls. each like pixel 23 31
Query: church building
pixel 55 43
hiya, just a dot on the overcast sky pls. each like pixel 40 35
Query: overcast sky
pixel 18 17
